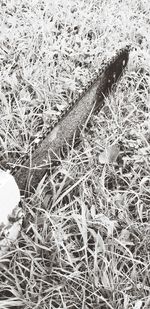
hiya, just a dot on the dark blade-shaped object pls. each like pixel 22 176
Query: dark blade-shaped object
pixel 33 169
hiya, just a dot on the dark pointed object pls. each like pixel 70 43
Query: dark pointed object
pixel 29 175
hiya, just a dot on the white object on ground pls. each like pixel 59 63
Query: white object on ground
pixel 9 196
pixel 11 215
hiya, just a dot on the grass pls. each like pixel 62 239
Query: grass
pixel 88 244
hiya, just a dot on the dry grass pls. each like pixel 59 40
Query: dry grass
pixel 90 246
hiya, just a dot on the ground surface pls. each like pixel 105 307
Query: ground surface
pixel 90 247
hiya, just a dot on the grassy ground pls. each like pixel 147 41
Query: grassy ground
pixel 90 246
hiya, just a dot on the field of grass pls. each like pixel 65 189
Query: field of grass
pixel 88 245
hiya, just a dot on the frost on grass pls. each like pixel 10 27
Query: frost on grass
pixel 87 246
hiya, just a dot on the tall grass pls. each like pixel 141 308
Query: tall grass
pixel 86 244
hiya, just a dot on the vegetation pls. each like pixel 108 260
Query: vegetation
pixel 86 244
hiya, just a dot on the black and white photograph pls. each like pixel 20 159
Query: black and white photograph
pixel 75 154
